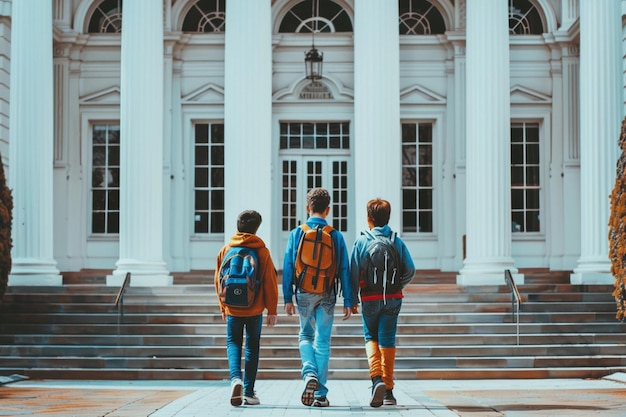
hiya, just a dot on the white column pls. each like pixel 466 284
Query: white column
pixel 600 125
pixel 377 108
pixel 141 148
pixel 31 138
pixel 488 210
pixel 248 114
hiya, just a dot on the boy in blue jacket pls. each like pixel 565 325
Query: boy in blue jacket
pixel 380 309
pixel 316 311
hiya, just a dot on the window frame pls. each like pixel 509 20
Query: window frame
pixel 542 117
pixel 192 186
pixel 435 124
pixel 90 124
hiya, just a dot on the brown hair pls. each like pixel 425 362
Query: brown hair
pixel 379 210
pixel 249 221
pixel 318 199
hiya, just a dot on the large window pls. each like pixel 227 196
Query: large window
pixel 206 16
pixel 525 178
pixel 420 17
pixel 105 179
pixel 524 18
pixel 417 177
pixel 209 178
pixel 322 135
pixel 316 16
pixel 106 17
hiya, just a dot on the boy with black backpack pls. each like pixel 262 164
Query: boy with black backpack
pixel 380 266
pixel 316 261
pixel 246 285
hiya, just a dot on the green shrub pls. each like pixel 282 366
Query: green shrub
pixel 6 218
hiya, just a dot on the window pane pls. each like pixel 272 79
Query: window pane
pixel 426 199
pixel 532 221
pixel 409 177
pixel 426 177
pixel 517 199
pixel 409 221
pixel 202 200
pixel 426 221
pixel 201 177
pixel 517 176
pixel 114 200
pixel 409 199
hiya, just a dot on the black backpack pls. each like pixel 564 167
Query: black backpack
pixel 382 264
pixel 238 281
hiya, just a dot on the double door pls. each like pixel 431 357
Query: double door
pixel 301 173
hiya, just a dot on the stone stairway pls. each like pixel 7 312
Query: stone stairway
pixel 445 332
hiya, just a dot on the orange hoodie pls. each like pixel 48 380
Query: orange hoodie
pixel 267 296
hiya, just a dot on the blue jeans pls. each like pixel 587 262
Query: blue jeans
pixel 234 342
pixel 316 323
pixel 380 321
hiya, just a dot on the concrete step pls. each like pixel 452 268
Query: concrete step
pixel 445 331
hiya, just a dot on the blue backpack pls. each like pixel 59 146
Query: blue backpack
pixel 238 281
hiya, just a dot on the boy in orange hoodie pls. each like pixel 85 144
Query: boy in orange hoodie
pixel 250 318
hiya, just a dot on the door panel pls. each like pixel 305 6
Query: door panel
pixel 299 175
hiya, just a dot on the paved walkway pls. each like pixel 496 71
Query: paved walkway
pixel 476 398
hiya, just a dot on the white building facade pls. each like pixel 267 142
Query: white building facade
pixel 132 136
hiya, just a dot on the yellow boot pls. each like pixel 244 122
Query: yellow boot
pixel 373 358
pixel 376 372
pixel 388 360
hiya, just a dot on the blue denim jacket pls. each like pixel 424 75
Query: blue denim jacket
pixel 343 262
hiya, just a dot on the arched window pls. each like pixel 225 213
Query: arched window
pixel 106 17
pixel 420 17
pixel 316 16
pixel 206 16
pixel 524 18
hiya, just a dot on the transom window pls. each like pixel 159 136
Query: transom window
pixel 105 179
pixel 106 17
pixel 326 135
pixel 525 178
pixel 420 17
pixel 524 18
pixel 417 177
pixel 310 16
pixel 206 16
pixel 209 178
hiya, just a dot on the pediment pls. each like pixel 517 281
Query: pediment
pixel 110 95
pixel 209 93
pixel 416 94
pixel 520 94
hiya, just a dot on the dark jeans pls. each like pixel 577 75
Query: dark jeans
pixel 380 321
pixel 234 343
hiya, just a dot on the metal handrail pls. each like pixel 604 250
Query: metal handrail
pixel 516 299
pixel 119 304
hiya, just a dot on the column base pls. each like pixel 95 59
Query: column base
pixel 28 271
pixel 592 278
pixel 35 279
pixel 143 280
pixel 142 274
pixel 467 280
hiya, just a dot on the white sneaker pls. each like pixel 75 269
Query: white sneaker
pixel 236 389
pixel 251 400
pixel 310 385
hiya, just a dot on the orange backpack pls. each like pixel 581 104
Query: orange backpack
pixel 316 260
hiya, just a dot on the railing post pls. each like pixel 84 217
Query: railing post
pixel 516 299
pixel 119 304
